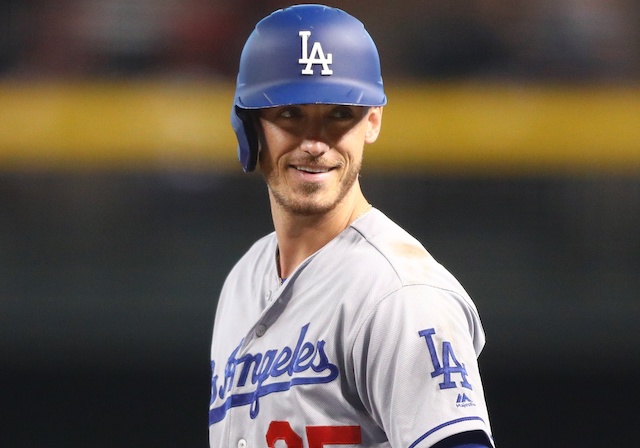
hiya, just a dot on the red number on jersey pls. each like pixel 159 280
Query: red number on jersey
pixel 282 431
pixel 317 436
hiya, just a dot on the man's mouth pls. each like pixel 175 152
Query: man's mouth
pixel 313 170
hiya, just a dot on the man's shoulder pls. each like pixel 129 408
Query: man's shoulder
pixel 390 246
pixel 258 255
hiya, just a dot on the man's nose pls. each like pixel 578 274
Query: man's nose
pixel 316 141
pixel 314 147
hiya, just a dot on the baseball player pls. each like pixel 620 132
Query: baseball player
pixel 339 328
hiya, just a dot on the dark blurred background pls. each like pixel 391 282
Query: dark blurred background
pixel 122 207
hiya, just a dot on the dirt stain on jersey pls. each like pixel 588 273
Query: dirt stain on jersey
pixel 410 251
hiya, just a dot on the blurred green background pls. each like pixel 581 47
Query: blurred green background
pixel 510 148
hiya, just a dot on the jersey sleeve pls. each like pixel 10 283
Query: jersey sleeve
pixel 416 369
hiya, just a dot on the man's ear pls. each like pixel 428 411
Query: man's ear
pixel 374 124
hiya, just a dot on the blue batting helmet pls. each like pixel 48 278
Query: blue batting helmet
pixel 304 54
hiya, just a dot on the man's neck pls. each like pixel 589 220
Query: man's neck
pixel 300 236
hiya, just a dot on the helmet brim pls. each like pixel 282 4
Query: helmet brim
pixel 308 91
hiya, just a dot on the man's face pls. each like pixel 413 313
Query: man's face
pixel 311 154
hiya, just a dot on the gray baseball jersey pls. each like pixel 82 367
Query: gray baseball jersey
pixel 369 343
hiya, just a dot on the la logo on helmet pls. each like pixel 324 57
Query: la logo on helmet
pixel 317 56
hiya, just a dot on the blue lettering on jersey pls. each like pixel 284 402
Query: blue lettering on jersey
pixel 446 369
pixel 306 363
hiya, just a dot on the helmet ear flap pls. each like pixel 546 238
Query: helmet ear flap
pixel 247 135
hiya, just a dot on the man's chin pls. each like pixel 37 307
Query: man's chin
pixel 312 198
pixel 307 208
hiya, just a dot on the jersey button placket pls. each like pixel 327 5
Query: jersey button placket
pixel 242 443
pixel 261 329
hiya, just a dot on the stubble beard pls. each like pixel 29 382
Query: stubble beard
pixel 309 200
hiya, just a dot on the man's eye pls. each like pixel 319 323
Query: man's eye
pixel 342 113
pixel 290 112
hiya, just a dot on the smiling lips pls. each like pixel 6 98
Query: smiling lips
pixel 313 169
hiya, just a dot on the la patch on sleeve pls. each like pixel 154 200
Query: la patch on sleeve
pixel 449 367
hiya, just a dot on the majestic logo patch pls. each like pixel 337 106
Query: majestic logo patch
pixel 463 401
pixel 252 376
pixel 317 56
